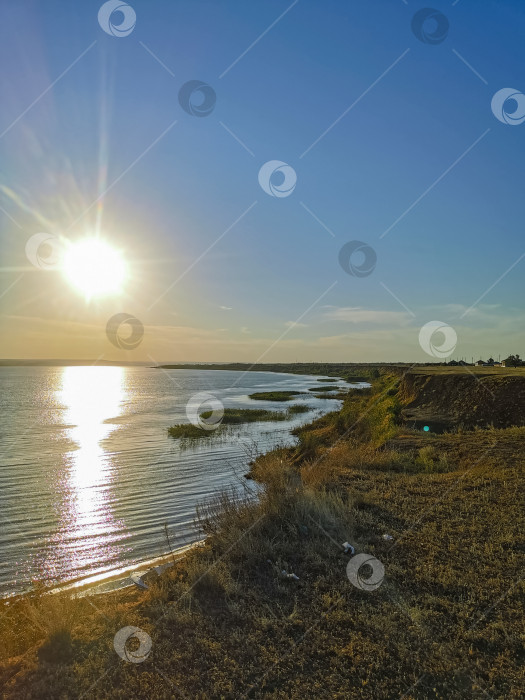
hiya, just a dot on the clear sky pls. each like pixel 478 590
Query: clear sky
pixel 392 140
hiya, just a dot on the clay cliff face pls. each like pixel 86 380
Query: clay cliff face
pixel 456 399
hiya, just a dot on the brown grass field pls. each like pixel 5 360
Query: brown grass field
pixel 473 371
pixel 446 620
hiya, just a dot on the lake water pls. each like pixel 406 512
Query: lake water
pixel 89 477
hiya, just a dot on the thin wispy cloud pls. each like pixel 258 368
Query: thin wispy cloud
pixel 294 324
pixel 359 315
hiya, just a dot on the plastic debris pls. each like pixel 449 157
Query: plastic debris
pixel 348 548
pixel 290 577
pixel 137 580
pixel 161 568
pixel 303 530
pixel 388 538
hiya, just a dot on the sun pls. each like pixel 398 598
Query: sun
pixel 94 267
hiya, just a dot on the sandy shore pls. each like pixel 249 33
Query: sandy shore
pixel 111 581
pixel 116 580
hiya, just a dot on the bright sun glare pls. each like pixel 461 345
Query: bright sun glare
pixel 94 267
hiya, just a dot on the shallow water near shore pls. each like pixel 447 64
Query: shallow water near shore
pixel 89 478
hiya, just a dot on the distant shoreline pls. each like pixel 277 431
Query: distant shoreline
pixel 245 366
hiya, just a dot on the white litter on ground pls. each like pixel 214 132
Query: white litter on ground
pixel 137 580
pixel 290 577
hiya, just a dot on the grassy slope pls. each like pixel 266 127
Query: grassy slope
pixel 445 623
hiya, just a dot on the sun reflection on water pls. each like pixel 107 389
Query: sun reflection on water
pixel 90 397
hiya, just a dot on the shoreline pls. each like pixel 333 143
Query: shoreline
pixel 80 587
pixel 119 579
pixel 89 585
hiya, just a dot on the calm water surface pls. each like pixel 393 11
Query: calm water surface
pixel 89 476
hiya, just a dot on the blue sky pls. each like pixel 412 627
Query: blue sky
pixel 418 109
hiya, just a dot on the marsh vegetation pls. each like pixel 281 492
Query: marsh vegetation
pixel 235 416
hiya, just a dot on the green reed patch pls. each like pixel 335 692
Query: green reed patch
pixel 298 408
pixel 235 416
pixel 275 395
